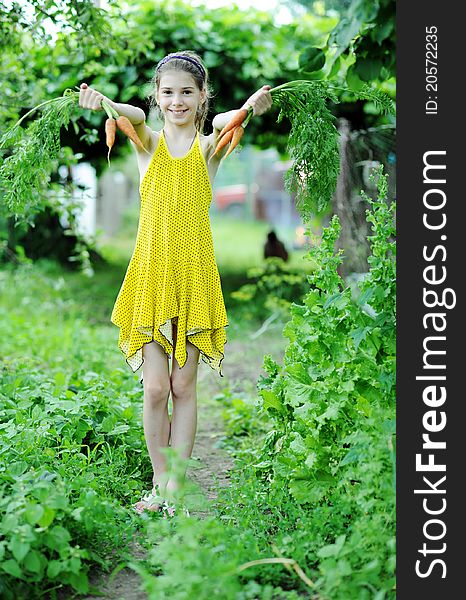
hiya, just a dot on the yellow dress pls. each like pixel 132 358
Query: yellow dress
pixel 172 273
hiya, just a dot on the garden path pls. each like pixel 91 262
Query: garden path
pixel 241 368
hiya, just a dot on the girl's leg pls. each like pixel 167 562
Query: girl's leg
pixel 156 381
pixel 184 396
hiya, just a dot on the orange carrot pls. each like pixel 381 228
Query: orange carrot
pixel 238 134
pixel 110 132
pixel 125 125
pixel 235 121
pixel 223 142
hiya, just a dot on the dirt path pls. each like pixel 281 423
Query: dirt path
pixel 241 369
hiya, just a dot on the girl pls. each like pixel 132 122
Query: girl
pixel 171 302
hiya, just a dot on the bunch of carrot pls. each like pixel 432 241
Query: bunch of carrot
pixel 233 131
pixel 115 121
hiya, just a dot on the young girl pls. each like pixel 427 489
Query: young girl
pixel 171 302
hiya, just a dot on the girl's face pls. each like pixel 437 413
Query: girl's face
pixel 179 97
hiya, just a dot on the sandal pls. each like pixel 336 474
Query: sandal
pixel 170 510
pixel 152 501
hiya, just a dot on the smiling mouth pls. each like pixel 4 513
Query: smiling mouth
pixel 178 112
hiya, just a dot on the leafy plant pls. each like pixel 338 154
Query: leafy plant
pixel 272 288
pixel 333 403
pixel 71 457
pixel 319 481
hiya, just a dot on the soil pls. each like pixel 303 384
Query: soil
pixel 241 369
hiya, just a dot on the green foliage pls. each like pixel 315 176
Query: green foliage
pixel 71 455
pixel 199 559
pixel 333 403
pixel 314 475
pixel 311 59
pixel 272 288
pixel 25 174
pixel 313 480
pixel 366 30
pixel 316 482
pixel 312 145
pixel 72 445
pixel 359 50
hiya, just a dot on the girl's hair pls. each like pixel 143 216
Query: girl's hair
pixel 192 64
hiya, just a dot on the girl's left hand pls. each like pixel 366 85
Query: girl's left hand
pixel 260 101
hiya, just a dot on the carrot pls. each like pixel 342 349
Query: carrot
pixel 235 121
pixel 110 132
pixel 125 125
pixel 237 135
pixel 223 142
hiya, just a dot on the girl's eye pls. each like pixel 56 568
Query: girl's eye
pixel 168 92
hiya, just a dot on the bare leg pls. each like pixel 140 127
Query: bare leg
pixel 184 396
pixel 156 380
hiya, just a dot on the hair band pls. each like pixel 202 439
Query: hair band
pixel 188 58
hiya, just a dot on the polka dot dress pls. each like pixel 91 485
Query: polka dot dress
pixel 172 273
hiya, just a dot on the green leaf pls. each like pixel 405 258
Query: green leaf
pixel 383 30
pixel 332 549
pixel 17 468
pixel 10 523
pixel 343 33
pixel 359 335
pixel 79 581
pixel 119 429
pixel 47 518
pixel 364 406
pixel 58 501
pixel 295 392
pixel 60 535
pixel 270 399
pixel 19 548
pixel 299 373
pixel 368 69
pixel 340 300
pixel 353 80
pixel 311 59
pixel 335 68
pixel 298 445
pixel 33 513
pixel 32 562
pixel 108 423
pixel 54 567
pixel 305 490
pixel 11 567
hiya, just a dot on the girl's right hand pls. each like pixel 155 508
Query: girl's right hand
pixel 90 98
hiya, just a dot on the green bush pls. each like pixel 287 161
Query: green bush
pixel 272 287
pixel 72 459
pixel 333 408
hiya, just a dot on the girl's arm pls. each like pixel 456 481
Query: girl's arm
pixel 90 98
